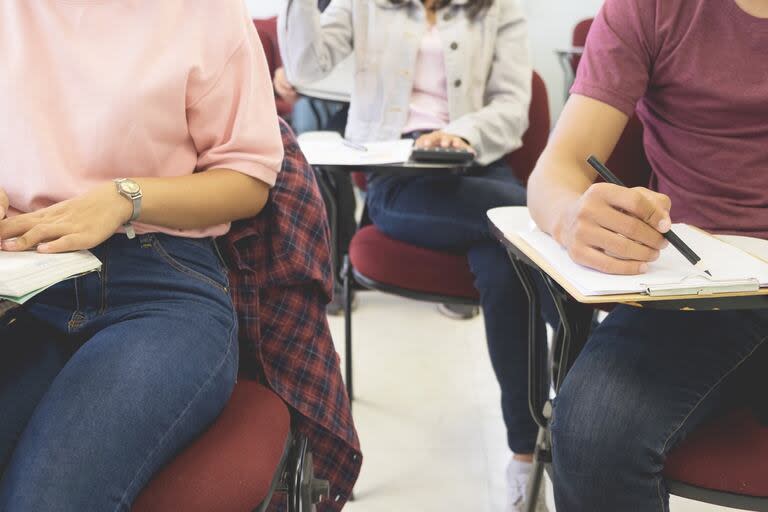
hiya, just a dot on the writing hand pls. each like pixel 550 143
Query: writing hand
pixel 616 230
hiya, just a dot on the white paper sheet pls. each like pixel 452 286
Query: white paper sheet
pixel 324 149
pixel 22 273
pixel 726 263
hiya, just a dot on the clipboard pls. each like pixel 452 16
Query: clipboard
pixel 506 222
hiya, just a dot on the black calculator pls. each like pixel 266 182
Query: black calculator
pixel 442 156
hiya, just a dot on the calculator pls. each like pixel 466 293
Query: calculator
pixel 442 156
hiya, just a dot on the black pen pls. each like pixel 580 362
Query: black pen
pixel 673 239
pixel 353 145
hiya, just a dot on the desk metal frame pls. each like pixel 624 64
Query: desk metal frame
pixel 576 321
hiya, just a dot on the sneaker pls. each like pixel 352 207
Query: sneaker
pixel 458 311
pixel 518 473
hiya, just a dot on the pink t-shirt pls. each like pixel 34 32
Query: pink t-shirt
pixel 429 98
pixel 699 70
pixel 102 89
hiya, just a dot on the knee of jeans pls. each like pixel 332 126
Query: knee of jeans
pixel 597 438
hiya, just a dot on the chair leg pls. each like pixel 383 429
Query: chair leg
pixel 541 457
pixel 304 490
pixel 347 273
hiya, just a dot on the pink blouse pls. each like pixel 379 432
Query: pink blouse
pixel 429 99
pixel 96 90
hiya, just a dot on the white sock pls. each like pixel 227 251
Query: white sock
pixel 518 473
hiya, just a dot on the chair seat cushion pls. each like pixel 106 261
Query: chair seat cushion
pixel 729 454
pixel 401 265
pixel 231 466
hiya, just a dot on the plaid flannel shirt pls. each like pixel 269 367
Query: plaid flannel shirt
pixel 281 282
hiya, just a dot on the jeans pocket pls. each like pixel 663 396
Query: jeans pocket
pixel 196 258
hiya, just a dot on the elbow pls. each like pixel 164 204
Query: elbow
pixel 256 201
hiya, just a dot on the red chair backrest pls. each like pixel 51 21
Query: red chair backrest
pixel 523 160
pixel 267 30
pixel 580 32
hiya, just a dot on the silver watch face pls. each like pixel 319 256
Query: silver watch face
pixel 130 187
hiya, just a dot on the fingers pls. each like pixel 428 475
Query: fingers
pixel 639 214
pixel 440 139
pixel 648 206
pixel 4 204
pixel 66 243
pixel 37 235
pixel 615 244
pixel 598 260
pixel 17 226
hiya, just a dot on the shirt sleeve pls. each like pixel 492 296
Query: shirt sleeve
pixel 619 53
pixel 234 123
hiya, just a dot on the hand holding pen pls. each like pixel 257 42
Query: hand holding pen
pixel 614 229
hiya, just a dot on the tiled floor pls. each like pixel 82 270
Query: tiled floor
pixel 427 412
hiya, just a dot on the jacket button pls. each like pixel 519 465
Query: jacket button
pixel 454 45
pixel 457 83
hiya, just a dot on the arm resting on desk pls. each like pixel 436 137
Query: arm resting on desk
pixel 606 227
pixel 312 44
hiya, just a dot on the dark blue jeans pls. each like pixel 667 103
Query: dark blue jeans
pixel 103 379
pixel 643 382
pixel 449 213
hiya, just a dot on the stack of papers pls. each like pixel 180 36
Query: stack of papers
pixel 328 148
pixel 26 274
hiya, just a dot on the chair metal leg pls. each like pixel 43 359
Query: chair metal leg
pixel 347 273
pixel 541 457
pixel 304 490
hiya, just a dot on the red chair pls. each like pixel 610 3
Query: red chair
pixel 579 39
pixel 237 465
pixel 378 262
pixel 267 30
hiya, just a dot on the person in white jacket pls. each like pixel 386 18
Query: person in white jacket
pixel 451 73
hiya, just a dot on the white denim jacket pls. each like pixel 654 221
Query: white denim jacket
pixel 487 61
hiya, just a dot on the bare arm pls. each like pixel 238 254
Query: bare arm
pixel 196 201
pixel 610 228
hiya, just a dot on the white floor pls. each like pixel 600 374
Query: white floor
pixel 427 412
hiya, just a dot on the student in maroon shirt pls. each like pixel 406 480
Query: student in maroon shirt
pixel 696 74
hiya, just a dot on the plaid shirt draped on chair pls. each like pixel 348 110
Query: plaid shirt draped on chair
pixel 280 285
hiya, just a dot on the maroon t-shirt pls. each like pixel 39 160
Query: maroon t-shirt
pixel 696 72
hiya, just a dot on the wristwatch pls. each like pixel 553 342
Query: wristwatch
pixel 130 190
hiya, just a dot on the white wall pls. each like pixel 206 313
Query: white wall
pixel 551 25
pixel 263 8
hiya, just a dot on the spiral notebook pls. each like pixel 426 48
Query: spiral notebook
pixel 737 265
pixel 26 274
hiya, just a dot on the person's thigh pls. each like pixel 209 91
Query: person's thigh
pixel 442 212
pixel 31 355
pixel 152 376
pixel 644 380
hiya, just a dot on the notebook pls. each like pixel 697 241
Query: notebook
pixel 328 148
pixel 26 274
pixel 737 264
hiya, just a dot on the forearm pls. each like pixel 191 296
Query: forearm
pixel 556 185
pixel 202 199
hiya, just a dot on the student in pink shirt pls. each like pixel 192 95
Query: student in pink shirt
pixel 138 130
pixel 695 73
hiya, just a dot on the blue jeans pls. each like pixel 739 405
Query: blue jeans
pixel 103 379
pixel 312 114
pixel 645 380
pixel 448 213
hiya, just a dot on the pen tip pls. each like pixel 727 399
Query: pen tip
pixel 708 273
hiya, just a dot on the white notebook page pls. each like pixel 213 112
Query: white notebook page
pixel 725 262
pixel 24 272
